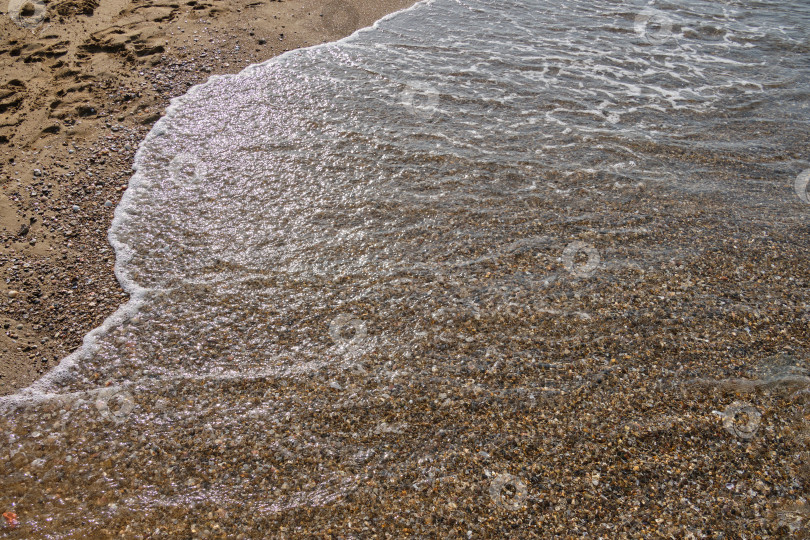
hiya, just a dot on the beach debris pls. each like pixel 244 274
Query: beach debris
pixel 11 519
pixel 741 419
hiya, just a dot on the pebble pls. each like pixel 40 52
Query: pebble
pixel 559 472
pixel 37 172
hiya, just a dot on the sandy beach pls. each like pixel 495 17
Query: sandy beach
pixel 542 274
pixel 82 83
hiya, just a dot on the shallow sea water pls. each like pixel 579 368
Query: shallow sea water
pixel 525 268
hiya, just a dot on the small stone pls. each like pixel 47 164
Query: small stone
pixel 107 204
pixel 12 293
pixel 335 385
pixel 37 172
pixel 76 208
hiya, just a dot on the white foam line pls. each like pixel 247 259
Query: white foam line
pixel 162 381
pixel 21 401
pixel 43 388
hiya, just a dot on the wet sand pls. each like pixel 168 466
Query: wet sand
pixel 81 85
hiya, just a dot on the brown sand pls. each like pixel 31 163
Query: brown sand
pixel 79 89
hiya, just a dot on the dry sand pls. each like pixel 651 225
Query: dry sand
pixel 81 83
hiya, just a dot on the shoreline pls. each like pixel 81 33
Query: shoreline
pixel 82 89
pixel 607 339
